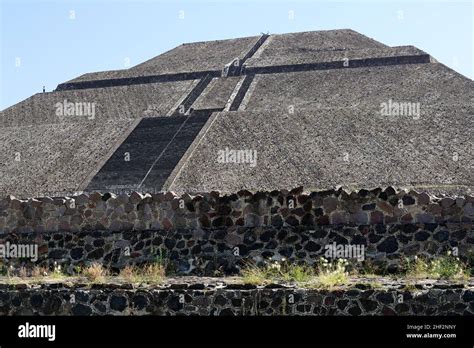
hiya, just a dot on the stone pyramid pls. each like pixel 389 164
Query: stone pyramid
pixel 316 109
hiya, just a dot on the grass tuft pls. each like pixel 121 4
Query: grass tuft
pixel 331 274
pixel 152 273
pixel 95 273
pixel 445 267
pixel 327 274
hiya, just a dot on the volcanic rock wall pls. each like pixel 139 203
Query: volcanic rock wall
pixel 235 300
pixel 209 233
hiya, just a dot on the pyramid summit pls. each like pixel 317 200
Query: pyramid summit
pixel 314 109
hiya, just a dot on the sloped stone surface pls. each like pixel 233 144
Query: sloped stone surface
pixel 312 121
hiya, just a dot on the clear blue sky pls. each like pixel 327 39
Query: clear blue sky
pixel 44 43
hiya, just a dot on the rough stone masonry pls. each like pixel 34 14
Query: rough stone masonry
pixel 209 233
pixel 211 296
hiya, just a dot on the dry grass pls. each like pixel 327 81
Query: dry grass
pixel 330 274
pixel 325 275
pixel 276 272
pixel 254 275
pixel 95 273
pixel 152 273
pixel 38 272
pixel 445 267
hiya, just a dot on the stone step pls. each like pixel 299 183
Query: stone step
pixel 218 296
pixel 150 152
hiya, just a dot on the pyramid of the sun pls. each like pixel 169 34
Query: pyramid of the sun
pixel 321 109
